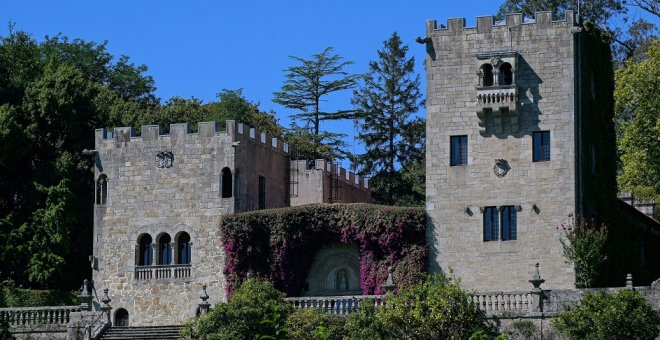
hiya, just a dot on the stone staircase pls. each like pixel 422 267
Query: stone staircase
pixel 144 332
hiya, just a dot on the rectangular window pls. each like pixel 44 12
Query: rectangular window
pixel 262 192
pixel 490 224
pixel 541 146
pixel 509 223
pixel 458 150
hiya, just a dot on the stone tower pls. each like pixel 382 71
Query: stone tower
pixel 518 117
pixel 159 201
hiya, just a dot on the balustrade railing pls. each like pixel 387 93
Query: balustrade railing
pixel 503 301
pixel 38 316
pixel 340 305
pixel 490 302
pixel 176 271
pixel 497 97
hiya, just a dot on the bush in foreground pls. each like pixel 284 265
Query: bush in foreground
pixel 623 315
pixel 241 317
pixel 436 308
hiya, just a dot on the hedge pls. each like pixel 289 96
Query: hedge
pixel 279 244
pixel 11 296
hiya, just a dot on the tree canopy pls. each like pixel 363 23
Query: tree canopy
pixel 308 82
pixel 53 94
pixel 392 136
pixel 637 112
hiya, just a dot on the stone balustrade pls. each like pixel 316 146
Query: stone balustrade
pixel 493 302
pixel 164 272
pixel 52 319
pixel 488 97
pixel 340 305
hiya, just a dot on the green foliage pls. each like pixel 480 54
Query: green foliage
pixel 487 335
pixel 311 324
pixel 11 296
pixel 231 105
pixel 53 94
pixel 385 104
pixel 637 114
pixel 5 334
pixel 584 246
pixel 623 315
pixel 241 317
pixel 364 325
pixel 309 82
pixel 276 325
pixel 278 244
pixel 521 330
pixel 434 309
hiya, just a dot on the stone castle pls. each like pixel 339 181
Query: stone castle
pixel 519 136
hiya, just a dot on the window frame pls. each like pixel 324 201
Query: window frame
pixel 458 150
pixel 541 146
pixel 490 216
pixel 508 223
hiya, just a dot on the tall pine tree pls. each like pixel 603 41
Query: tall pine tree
pixel 393 138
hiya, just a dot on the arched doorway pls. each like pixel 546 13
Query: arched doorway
pixel 335 271
pixel 121 318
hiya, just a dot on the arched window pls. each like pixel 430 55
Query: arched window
pixel 145 255
pixel 226 183
pixel 121 318
pixel 341 280
pixel 505 74
pixel 183 249
pixel 164 250
pixel 102 189
pixel 487 75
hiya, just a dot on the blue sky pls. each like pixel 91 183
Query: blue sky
pixel 197 48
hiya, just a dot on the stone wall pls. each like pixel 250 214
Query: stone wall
pixel 321 181
pixel 544 192
pixel 170 184
pixel 258 154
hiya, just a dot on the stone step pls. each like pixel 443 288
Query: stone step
pixel 144 332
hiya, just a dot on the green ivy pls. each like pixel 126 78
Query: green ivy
pixel 278 244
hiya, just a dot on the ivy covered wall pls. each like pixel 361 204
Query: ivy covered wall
pixel 279 244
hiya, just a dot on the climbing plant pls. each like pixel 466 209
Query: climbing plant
pixel 279 244
pixel 584 247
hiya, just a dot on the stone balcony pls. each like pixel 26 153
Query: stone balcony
pixel 497 97
pixel 497 107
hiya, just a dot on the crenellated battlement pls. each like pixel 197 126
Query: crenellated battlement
pixel 322 165
pixel 487 24
pixel 237 132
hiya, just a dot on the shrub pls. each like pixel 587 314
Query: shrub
pixel 309 323
pixel 241 317
pixel 436 308
pixel 622 315
pixel 521 330
pixel 584 247
pixel 11 296
pixel 5 334
pixel 363 324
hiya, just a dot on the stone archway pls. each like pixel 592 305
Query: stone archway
pixel 335 271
